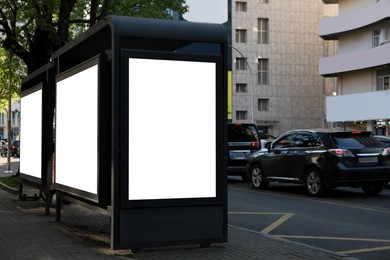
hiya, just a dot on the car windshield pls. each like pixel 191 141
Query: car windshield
pixel 358 140
pixel 242 133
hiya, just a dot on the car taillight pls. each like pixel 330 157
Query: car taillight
pixel 341 152
pixel 255 144
pixel 386 151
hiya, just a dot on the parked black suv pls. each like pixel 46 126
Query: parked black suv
pixel 243 140
pixel 321 159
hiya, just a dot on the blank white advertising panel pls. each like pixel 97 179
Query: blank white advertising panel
pixel 172 108
pixel 76 130
pixel 31 134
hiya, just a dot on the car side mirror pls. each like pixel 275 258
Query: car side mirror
pixel 268 145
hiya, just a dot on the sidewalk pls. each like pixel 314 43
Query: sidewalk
pixel 14 166
pixel 26 233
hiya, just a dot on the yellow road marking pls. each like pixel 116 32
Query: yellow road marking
pixel 364 250
pixel 286 216
pixel 275 224
pixel 337 238
pixel 348 252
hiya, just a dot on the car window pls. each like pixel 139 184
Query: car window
pixel 284 142
pixel 305 140
pixel 242 133
pixel 383 140
pixel 356 140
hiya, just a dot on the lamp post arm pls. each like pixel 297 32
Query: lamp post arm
pixel 251 80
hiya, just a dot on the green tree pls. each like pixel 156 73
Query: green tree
pixel 12 70
pixel 34 29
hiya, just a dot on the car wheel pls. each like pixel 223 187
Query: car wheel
pixel 314 183
pixel 373 188
pixel 257 177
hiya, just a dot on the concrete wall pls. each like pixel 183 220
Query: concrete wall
pixel 295 90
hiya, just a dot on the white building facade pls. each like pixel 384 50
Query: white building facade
pixel 361 66
pixel 276 51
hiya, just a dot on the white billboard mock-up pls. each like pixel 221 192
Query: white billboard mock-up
pixel 76 131
pixel 172 109
pixel 31 134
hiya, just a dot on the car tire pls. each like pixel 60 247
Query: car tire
pixel 314 182
pixel 257 177
pixel 373 188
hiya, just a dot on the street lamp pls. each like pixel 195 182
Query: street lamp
pixel 251 80
pixel 9 120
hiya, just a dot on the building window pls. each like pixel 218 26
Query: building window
pixel 264 130
pixel 262 104
pixel 375 38
pixel 263 71
pixel 382 80
pixel 262 24
pixel 240 35
pixel 240 63
pixel 383 83
pixel 241 6
pixel 241 88
pixel 264 1
pixel 241 115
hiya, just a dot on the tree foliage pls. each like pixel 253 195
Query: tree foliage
pixel 12 71
pixel 34 29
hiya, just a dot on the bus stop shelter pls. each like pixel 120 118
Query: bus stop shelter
pixel 131 117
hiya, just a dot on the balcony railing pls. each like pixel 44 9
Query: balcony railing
pixel 329 28
pixel 358 107
pixel 331 66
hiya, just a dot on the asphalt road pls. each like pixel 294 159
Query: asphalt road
pixel 345 220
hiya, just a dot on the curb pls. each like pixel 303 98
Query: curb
pixel 9 189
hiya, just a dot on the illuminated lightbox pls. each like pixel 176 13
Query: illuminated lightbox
pixel 31 134
pixel 172 129
pixel 76 130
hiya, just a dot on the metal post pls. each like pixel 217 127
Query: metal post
pixel 9 117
